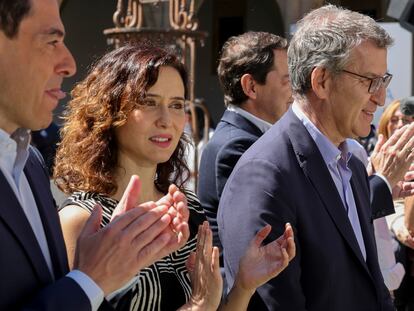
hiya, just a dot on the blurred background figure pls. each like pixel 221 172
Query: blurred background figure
pixel 46 141
pixel 395 116
pixel 205 130
pixel 392 271
pixel 369 141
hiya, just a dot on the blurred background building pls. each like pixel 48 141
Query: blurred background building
pixel 85 22
pixel 197 29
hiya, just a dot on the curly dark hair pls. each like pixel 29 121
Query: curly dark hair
pixel 12 13
pixel 250 52
pixel 87 155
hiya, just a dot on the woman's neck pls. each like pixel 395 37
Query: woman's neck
pixel 128 167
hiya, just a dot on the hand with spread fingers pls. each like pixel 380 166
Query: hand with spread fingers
pixel 404 236
pixel 405 187
pixel 175 203
pixel 130 198
pixel 204 269
pixel 392 159
pixel 133 240
pixel 178 230
pixel 261 263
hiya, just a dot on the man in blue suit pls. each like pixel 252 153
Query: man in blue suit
pixel 254 77
pixel 33 261
pixel 301 172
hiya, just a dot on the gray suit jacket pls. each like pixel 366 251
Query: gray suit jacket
pixel 283 178
pixel 233 136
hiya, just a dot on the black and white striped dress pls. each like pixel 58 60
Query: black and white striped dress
pixel 165 285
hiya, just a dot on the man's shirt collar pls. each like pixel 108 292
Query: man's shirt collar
pixel 261 124
pixel 330 153
pixel 14 151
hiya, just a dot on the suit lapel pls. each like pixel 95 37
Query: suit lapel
pixel 48 215
pixel 14 217
pixel 241 122
pixel 314 168
pixel 364 216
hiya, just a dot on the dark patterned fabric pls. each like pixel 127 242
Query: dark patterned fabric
pixel 163 286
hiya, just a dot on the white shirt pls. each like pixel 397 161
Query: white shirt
pixel 14 152
pixel 261 124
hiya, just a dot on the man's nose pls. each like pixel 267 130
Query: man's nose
pixel 67 65
pixel 379 96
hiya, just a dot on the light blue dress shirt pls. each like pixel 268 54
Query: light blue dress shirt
pixel 14 152
pixel 336 159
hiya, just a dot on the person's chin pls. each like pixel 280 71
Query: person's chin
pixel 162 157
pixel 41 122
pixel 362 131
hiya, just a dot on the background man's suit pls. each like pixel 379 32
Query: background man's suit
pixel 233 136
pixel 283 178
pixel 26 280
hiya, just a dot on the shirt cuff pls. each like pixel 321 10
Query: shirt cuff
pixel 91 289
pixel 398 225
pixel 385 180
pixel 393 276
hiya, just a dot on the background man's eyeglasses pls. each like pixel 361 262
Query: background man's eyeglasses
pixel 375 83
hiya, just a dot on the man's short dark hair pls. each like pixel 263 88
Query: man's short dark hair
pixel 252 53
pixel 12 13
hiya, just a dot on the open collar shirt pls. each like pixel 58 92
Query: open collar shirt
pixel 261 124
pixel 14 152
pixel 336 159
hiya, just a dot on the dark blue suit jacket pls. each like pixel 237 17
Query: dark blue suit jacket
pixel 26 282
pixel 283 178
pixel 233 136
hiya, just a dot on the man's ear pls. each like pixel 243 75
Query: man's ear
pixel 321 82
pixel 248 85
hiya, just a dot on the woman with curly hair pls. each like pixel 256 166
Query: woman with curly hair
pixel 127 117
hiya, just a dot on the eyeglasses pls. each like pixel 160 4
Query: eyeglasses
pixel 376 83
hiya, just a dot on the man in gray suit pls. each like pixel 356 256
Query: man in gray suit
pixel 300 171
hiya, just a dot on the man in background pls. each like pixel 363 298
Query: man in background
pixel 300 171
pixel 254 77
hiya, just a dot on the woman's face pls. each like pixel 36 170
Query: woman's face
pixel 398 120
pixel 153 129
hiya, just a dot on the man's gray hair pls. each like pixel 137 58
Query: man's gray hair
pixel 325 38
